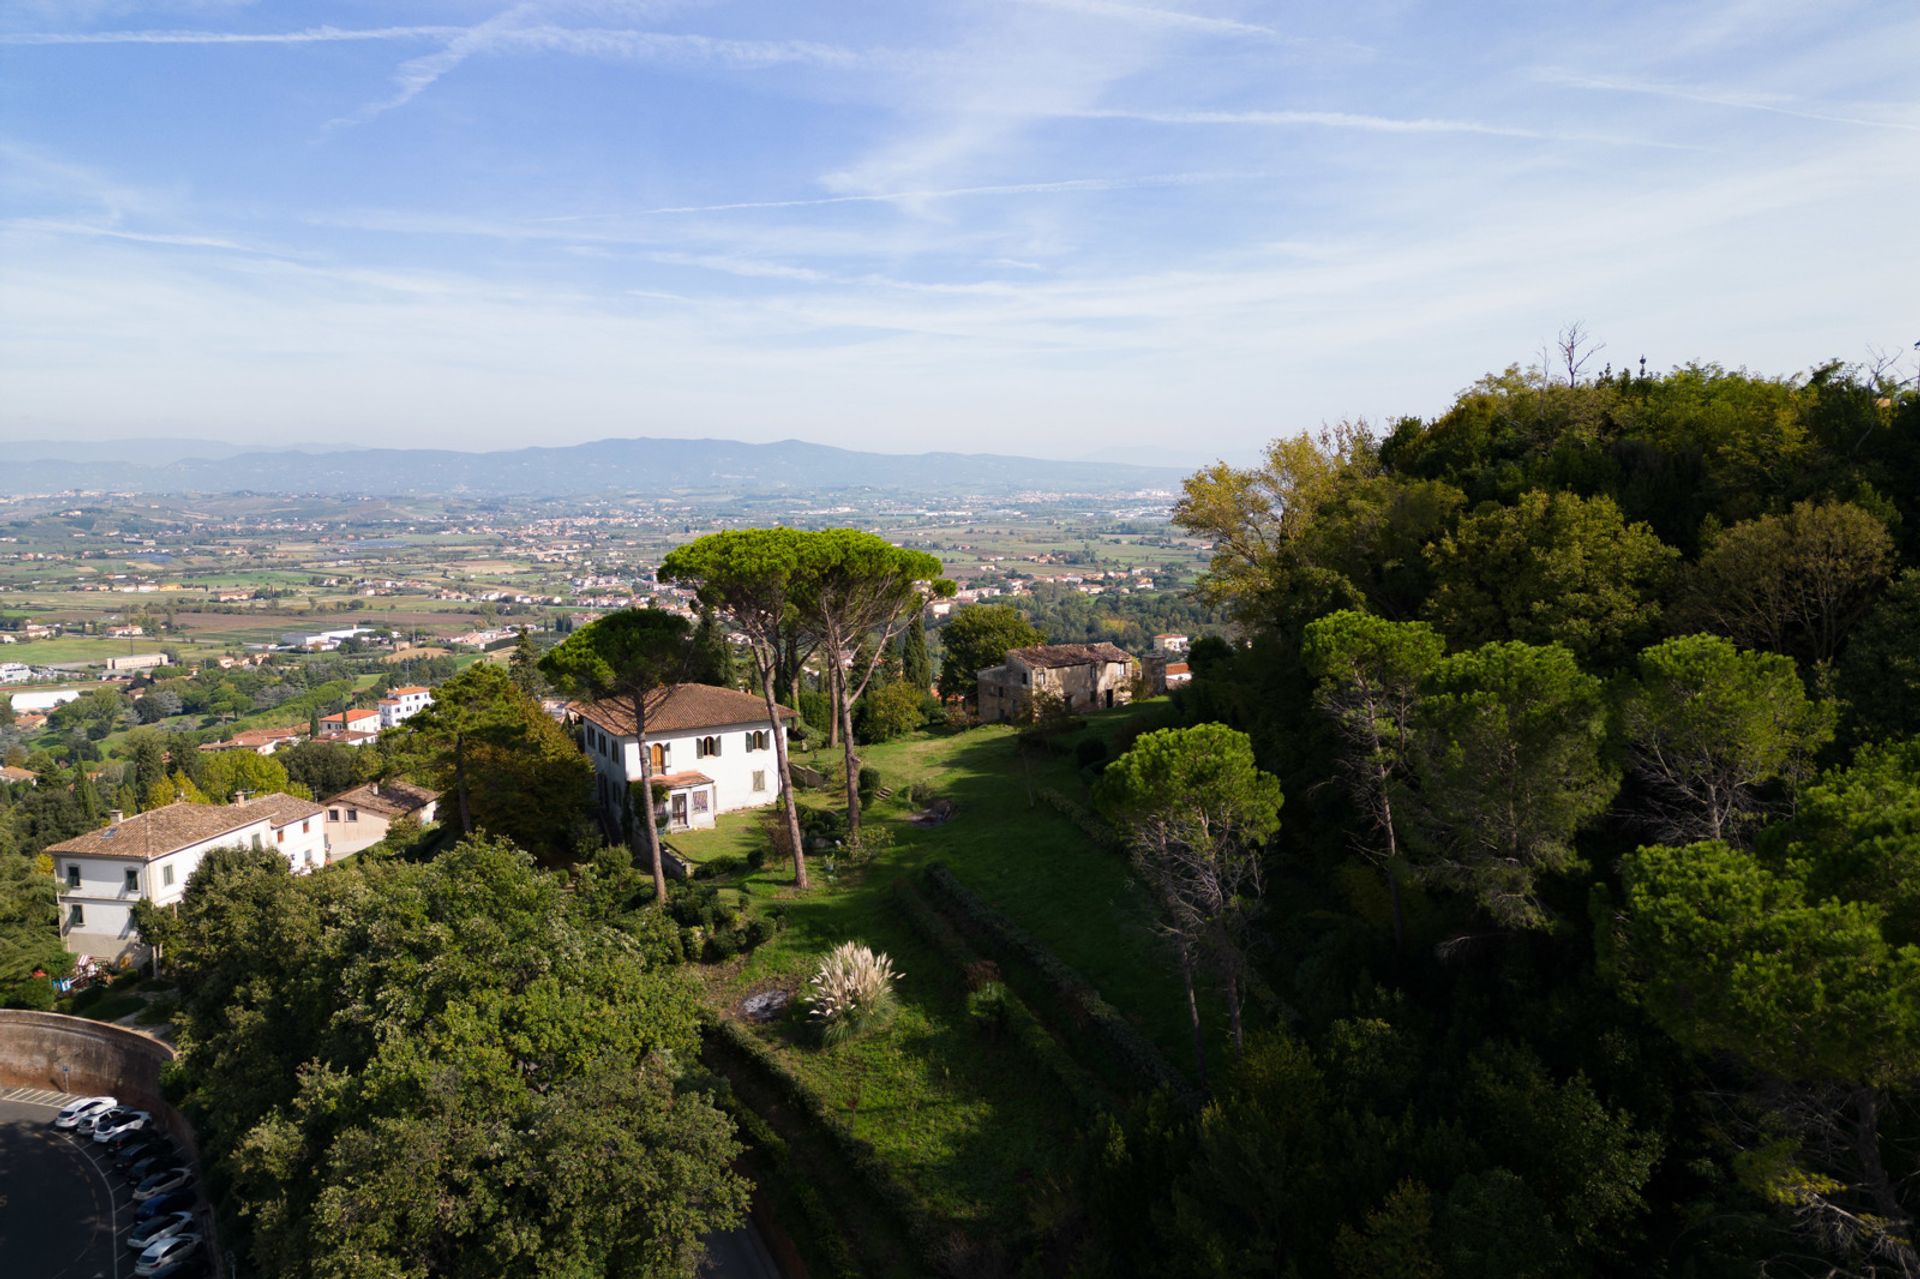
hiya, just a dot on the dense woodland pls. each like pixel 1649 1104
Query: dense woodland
pixel 1590 941
pixel 1540 859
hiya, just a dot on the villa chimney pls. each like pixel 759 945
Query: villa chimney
pixel 239 799
pixel 118 816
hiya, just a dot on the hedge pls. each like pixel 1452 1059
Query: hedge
pixel 1029 1032
pixel 1091 824
pixel 826 1240
pixel 876 1176
pixel 1126 1049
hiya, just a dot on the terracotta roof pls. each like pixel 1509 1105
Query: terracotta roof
pixel 680 707
pixel 8 773
pixel 346 735
pixel 283 810
pixel 160 831
pixel 352 716
pixel 1068 654
pixel 1177 668
pixel 410 688
pixel 394 799
pixel 254 738
pixel 674 781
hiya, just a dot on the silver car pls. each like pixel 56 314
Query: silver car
pixel 166 1251
pixel 111 1125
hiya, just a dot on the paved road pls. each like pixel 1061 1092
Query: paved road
pixel 739 1254
pixel 61 1216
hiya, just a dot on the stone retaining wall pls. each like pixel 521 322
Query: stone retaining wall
pixel 98 1058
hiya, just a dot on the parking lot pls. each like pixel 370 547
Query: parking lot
pixel 64 1213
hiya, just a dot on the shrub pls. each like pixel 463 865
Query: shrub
pixel 874 840
pixel 852 992
pixel 1089 752
pixel 987 1009
pixel 34 993
pixel 822 826
pixel 887 713
pixel 870 782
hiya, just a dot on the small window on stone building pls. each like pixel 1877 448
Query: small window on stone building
pixel 166 876
pixel 73 876
pixel 133 881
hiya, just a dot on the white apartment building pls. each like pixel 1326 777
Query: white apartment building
pixel 711 747
pixel 15 672
pixel 402 704
pixel 150 855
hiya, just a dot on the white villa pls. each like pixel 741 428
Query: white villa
pixel 150 855
pixel 711 747
pixel 402 704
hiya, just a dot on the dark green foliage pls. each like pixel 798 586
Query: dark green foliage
pixel 325 768
pixel 977 637
pixel 870 782
pixel 373 1044
pixel 1879 674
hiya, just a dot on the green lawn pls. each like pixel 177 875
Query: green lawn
pixel 961 1119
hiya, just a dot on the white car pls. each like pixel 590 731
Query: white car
pixel 147 1233
pixel 85 1124
pixel 109 1126
pixel 156 1256
pixel 74 1111
pixel 161 1182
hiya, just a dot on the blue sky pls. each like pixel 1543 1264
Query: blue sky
pixel 1058 227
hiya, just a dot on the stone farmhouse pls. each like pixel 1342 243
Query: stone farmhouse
pixel 1084 676
pixel 711 747
pixel 148 857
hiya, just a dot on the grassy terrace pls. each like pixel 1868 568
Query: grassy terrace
pixel 966 1122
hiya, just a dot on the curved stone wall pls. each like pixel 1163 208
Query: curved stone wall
pixel 72 1054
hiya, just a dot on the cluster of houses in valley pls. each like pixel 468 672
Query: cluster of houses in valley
pixel 711 750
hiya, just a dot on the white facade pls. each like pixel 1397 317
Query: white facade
pixel 44 701
pixel 99 887
pixel 708 769
pixel 14 672
pixel 402 704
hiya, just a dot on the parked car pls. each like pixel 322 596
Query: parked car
pixel 141 1169
pixel 159 1183
pixel 84 1125
pixel 154 1229
pixel 128 1138
pixel 107 1127
pixel 193 1267
pixel 146 1145
pixel 160 1205
pixel 173 1248
pixel 74 1111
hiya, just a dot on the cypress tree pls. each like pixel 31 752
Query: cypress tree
pixel 916 668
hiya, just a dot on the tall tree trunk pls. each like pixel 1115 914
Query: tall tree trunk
pixel 1866 1145
pixel 767 678
pixel 834 682
pixel 646 816
pixel 1193 1014
pixel 460 783
pixel 853 763
pixel 1393 870
pixel 1233 1012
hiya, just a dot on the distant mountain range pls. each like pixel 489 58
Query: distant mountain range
pixel 601 467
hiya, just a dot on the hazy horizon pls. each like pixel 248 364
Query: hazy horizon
pixel 1047 228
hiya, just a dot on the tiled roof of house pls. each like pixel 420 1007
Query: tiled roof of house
pixel 8 773
pixel 283 810
pixel 410 688
pixel 160 831
pixel 393 799
pixel 1050 655
pixel 348 736
pixel 254 738
pixel 677 708
pixel 352 717
pixel 674 781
